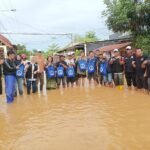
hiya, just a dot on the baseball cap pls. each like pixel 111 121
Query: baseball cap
pixel 116 50
pixel 69 53
pixel 128 48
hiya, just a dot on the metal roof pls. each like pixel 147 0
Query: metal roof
pixel 114 46
pixel 5 41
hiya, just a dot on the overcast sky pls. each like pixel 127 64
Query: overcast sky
pixel 51 16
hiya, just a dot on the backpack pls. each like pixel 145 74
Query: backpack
pixel 50 72
pixel 20 71
pixel 91 66
pixel 103 68
pixel 82 65
pixel 70 72
pixel 60 72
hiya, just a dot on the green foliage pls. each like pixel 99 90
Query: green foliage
pixel 28 53
pixel 51 50
pixel 21 49
pixel 77 52
pixel 144 43
pixel 130 16
pixel 88 37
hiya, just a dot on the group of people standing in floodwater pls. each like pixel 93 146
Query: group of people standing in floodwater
pixel 97 67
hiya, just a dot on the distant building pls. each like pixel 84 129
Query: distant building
pixel 5 45
pixel 119 36
pixel 90 46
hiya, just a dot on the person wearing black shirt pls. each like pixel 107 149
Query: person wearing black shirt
pixel 31 75
pixel 117 66
pixel 129 70
pixel 9 69
pixel 146 64
pixel 99 61
pixel 140 71
pixel 63 64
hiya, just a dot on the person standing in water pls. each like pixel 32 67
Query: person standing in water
pixel 61 71
pixel 41 67
pixel 9 69
pixel 31 75
pixel 81 69
pixel 1 87
pixel 117 64
pixel 19 74
pixel 146 65
pixel 71 66
pixel 91 68
pixel 129 70
pixel 50 74
pixel 137 64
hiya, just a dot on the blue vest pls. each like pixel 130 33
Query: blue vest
pixel 91 66
pixel 20 71
pixel 60 72
pixel 103 68
pixel 70 72
pixel 50 72
pixel 82 65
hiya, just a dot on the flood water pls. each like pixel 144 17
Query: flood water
pixel 77 119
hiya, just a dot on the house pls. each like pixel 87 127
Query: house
pixel 90 46
pixel 5 45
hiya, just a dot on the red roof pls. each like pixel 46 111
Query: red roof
pixel 114 46
pixel 5 41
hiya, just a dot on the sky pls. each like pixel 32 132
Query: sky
pixel 51 16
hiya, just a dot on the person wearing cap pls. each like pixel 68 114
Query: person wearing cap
pixel 117 65
pixel 70 63
pixel 9 69
pixel 61 63
pixel 129 70
pixel 41 67
pixel 139 70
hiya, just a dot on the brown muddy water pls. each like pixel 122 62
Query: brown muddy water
pixel 77 119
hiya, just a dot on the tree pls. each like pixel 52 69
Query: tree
pixel 88 37
pixel 20 47
pixel 51 50
pixel 129 16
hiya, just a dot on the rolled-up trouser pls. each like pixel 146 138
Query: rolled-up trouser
pixel 19 83
pixel 118 79
pixel 10 86
pixel 131 78
pixel 40 78
pixel 0 85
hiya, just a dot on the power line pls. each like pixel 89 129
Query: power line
pixel 25 33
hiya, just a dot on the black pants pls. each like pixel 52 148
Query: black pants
pixel 130 78
pixel 141 82
pixel 33 85
pixel 0 85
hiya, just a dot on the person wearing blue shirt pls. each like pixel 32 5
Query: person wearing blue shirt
pixel 91 68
